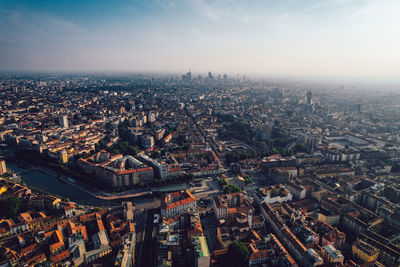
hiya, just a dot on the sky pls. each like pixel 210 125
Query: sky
pixel 303 38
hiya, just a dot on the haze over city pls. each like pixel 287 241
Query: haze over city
pixel 316 39
pixel 199 133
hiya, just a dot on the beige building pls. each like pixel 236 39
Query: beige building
pixel 331 254
pixel 228 205
pixel 176 203
pixel 3 168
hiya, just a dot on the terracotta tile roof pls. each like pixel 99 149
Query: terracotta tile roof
pixel 294 240
pixel 39 258
pixel 59 241
pixel 70 228
pixel 283 170
pixel 260 254
pixel 48 234
pixel 174 169
pixel 27 249
pixel 59 257
pixel 100 225
pixel 82 229
pixel 221 252
pixel 188 198
pixel 170 220
pixel 55 246
pixel 131 227
pixel 25 216
pixel 135 170
pixel 282 248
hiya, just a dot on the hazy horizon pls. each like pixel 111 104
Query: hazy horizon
pixel 332 39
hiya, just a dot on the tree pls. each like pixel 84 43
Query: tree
pixel 389 145
pixel 301 148
pixel 280 142
pixel 273 151
pixel 231 188
pixel 132 150
pixel 156 154
pixel 247 180
pixel 276 133
pixel 235 128
pixel 232 157
pixel 101 145
pixel 116 151
pixel 238 254
pixel 223 182
pixel 10 206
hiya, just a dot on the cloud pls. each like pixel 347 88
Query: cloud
pixel 198 34
pixel 264 36
pixel 205 9
pixel 28 27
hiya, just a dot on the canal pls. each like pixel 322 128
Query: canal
pixel 39 179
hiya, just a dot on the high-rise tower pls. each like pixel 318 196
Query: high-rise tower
pixel 309 97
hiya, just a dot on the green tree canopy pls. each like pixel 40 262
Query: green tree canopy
pixel 223 182
pixel 231 188
pixel 273 151
pixel 238 254
pixel 10 206
pixel 276 133
pixel 301 148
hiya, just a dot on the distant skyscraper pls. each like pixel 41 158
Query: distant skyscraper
pixel 210 75
pixel 189 75
pixel 359 108
pixel 309 97
pixel 277 93
pixel 63 121
pixel 225 77
pixel 309 107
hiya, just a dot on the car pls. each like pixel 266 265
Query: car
pixel 156 218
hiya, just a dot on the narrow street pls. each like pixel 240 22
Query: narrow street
pixel 140 217
pixel 148 253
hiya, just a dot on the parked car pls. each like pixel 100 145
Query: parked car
pixel 156 218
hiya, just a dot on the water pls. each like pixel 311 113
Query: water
pixel 52 185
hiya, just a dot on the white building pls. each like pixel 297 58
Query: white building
pixel 273 194
pixel 160 170
pixel 148 141
pixel 151 117
pixel 297 191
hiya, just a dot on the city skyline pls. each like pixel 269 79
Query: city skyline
pixel 332 39
pixel 204 133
